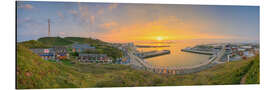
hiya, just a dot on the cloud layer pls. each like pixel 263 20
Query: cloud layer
pixel 130 22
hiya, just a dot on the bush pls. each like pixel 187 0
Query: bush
pixel 74 54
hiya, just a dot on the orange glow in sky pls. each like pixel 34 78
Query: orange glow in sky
pixel 119 22
pixel 159 30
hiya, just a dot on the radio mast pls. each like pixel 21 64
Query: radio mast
pixel 49 28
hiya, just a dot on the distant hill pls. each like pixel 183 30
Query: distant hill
pixel 33 72
pixel 55 41
pixel 85 40
pixel 34 44
pixel 59 41
pixel 76 39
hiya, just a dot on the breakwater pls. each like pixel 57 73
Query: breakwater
pixel 199 52
pixel 154 53
pixel 150 46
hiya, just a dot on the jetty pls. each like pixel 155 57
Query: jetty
pixel 197 51
pixel 151 46
pixel 154 53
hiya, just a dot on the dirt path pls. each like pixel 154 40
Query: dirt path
pixel 243 79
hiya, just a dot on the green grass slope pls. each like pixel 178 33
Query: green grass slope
pixel 253 75
pixel 33 72
pixel 85 40
pixel 58 41
pixel 33 44
pixel 223 74
pixel 54 41
pixel 76 39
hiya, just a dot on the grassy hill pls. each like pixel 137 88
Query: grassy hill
pixel 84 40
pixel 101 47
pixel 54 41
pixel 227 73
pixel 58 41
pixel 34 44
pixel 76 39
pixel 33 72
pixel 253 75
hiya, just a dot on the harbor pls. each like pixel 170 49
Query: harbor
pixel 139 63
pixel 176 57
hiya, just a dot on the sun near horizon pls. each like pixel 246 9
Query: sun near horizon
pixel 160 38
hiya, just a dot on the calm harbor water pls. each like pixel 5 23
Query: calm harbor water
pixel 176 57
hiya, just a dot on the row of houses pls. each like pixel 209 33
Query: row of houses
pixel 61 53
pixel 94 58
pixel 55 53
pixel 89 58
pixel 240 51
pixel 243 50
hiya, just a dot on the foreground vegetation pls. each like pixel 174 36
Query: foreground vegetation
pixel 253 75
pixel 33 72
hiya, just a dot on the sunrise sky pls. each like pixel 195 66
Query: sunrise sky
pixel 135 22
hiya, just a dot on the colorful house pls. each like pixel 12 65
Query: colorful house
pixel 55 53
pixel 45 53
pixel 61 53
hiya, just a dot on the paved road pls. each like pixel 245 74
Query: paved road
pixel 219 55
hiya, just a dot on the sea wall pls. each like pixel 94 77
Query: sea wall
pixel 199 52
